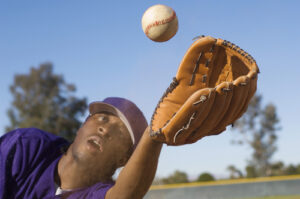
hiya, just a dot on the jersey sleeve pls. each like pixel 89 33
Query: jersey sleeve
pixel 21 151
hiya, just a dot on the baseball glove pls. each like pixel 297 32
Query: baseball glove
pixel 212 88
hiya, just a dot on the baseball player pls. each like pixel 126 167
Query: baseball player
pixel 212 88
pixel 36 164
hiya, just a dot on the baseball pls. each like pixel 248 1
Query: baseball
pixel 160 23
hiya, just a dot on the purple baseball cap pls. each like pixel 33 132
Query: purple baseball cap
pixel 127 111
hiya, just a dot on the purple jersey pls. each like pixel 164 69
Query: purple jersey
pixel 28 161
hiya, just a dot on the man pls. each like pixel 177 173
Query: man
pixel 32 164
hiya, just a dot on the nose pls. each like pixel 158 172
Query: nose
pixel 101 130
pixel 104 132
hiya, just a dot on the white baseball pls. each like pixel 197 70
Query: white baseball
pixel 160 23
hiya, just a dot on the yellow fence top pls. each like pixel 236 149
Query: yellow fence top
pixel 226 182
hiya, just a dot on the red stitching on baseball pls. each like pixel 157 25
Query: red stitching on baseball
pixel 161 22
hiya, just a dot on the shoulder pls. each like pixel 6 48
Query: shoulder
pixel 22 150
pixel 32 134
pixel 28 132
pixel 29 144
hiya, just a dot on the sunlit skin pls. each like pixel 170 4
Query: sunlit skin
pixel 102 145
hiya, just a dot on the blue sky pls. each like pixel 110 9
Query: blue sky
pixel 101 48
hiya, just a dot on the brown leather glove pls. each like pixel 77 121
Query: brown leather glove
pixel 212 88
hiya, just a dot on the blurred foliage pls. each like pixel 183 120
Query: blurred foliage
pixel 182 177
pixel 258 127
pixel 205 177
pixel 279 169
pixel 234 172
pixel 44 100
pixel 175 178
pixel 251 172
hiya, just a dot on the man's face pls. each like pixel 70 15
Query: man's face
pixel 103 137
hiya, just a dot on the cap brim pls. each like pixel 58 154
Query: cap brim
pixel 98 107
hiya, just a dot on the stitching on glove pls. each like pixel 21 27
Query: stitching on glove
pixel 172 86
pixel 169 119
pixel 207 63
pixel 195 69
pixel 239 50
pixel 185 127
pixel 225 89
pixel 198 63
pixel 198 37
pixel 204 77
pixel 203 98
pixel 213 47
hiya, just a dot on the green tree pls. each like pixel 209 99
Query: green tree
pixel 259 126
pixel 44 100
pixel 234 172
pixel 298 169
pixel 290 170
pixel 205 177
pixel 251 172
pixel 277 169
pixel 176 177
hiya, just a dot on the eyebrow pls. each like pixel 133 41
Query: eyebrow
pixel 104 112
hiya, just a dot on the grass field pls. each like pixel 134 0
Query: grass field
pixel 277 197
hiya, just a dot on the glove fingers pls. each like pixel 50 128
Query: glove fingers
pixel 199 135
pixel 197 106
pixel 217 131
pixel 194 66
pixel 243 91
pixel 218 110
pixel 252 88
pixel 237 97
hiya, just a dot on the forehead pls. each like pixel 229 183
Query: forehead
pixel 105 115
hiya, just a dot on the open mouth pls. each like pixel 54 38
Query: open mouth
pixel 96 142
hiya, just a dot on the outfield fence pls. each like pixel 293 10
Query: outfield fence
pixel 228 189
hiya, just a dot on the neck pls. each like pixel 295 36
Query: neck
pixel 73 175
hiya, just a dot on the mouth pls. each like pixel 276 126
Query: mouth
pixel 95 142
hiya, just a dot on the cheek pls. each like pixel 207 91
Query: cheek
pixel 85 130
pixel 80 137
pixel 122 146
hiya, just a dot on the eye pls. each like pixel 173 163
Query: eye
pixel 102 118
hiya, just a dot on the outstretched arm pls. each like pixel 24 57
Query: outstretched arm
pixel 137 175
